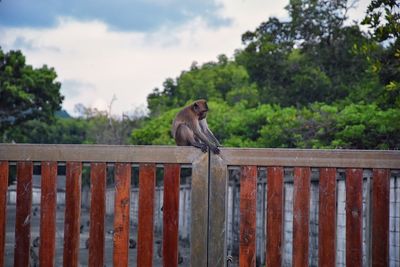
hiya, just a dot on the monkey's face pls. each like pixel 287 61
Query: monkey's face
pixel 200 108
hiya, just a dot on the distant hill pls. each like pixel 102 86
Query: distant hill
pixel 62 114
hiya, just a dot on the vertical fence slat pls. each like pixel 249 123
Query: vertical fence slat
pixel 217 212
pixel 248 202
pixel 171 214
pixel 97 213
pixel 23 213
pixel 3 207
pixel 199 211
pixel 301 214
pixel 380 217
pixel 354 217
pixel 147 174
pixel 121 214
pixel 274 216
pixel 48 205
pixel 72 213
pixel 327 217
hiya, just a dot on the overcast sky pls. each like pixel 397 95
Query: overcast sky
pixel 127 48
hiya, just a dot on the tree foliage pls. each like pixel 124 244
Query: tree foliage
pixel 25 92
pixel 90 127
pixel 312 81
pixel 383 18
pixel 362 126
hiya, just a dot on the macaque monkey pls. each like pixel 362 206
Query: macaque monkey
pixel 190 128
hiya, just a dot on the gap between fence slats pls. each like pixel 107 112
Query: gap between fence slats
pixel 73 185
pixel 248 194
pixel 301 214
pixel 23 213
pixel 48 205
pixel 3 207
pixel 274 216
pixel 380 217
pixel 171 214
pixel 147 174
pixel 121 214
pixel 97 213
pixel 354 217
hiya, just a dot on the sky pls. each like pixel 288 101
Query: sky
pixel 121 49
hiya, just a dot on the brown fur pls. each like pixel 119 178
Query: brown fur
pixel 190 128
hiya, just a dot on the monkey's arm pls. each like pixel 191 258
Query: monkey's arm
pixel 199 134
pixel 208 133
pixel 212 137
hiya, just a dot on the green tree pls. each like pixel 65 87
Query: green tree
pixel 265 58
pixel 383 18
pixel 313 22
pixel 60 131
pixel 310 82
pixel 25 92
pixel 212 81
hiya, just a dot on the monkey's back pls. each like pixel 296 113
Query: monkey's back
pixel 181 117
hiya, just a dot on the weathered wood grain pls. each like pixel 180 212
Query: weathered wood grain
pixel 171 214
pixel 48 205
pixel 73 186
pixel 147 172
pixel 97 213
pixel 327 218
pixel 274 216
pixel 23 214
pixel 248 202
pixel 121 214
pixel 301 215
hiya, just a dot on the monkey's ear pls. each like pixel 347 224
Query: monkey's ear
pixel 196 106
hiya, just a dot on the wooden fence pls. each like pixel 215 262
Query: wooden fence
pixel 208 202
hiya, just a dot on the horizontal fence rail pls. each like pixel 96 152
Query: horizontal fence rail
pixel 209 203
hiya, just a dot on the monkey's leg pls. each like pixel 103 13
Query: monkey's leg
pixel 184 137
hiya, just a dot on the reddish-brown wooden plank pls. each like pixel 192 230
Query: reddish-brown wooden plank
pixel 147 173
pixel 171 214
pixel 97 213
pixel 72 213
pixel 380 217
pixel 248 195
pixel 121 214
pixel 301 214
pixel 3 205
pixel 327 217
pixel 23 213
pixel 48 205
pixel 274 216
pixel 354 217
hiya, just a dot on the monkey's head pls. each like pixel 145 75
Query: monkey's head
pixel 200 108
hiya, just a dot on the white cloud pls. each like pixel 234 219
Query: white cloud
pixel 129 65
